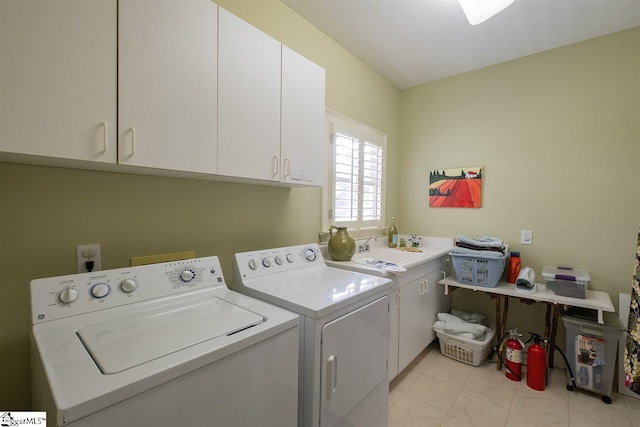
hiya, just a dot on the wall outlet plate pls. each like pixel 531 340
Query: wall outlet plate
pixel 87 253
pixel 526 237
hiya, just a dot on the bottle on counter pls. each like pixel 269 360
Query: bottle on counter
pixel 393 234
pixel 514 267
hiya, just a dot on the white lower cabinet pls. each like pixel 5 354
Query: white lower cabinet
pixel 418 298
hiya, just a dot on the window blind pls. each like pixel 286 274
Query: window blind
pixel 357 177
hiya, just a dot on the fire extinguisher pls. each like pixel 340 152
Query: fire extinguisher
pixel 536 363
pixel 513 354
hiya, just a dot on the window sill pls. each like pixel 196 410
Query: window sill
pixel 355 233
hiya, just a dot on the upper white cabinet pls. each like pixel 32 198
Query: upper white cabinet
pixel 178 87
pixel 271 108
pixel 303 129
pixel 167 84
pixel 58 78
pixel 248 101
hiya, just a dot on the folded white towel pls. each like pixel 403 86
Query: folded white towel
pixel 485 254
pixel 382 265
pixel 487 242
pixel 468 317
pixel 456 325
pixel 439 326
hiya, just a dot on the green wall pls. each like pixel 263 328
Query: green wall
pixel 558 134
pixel 558 137
pixel 46 212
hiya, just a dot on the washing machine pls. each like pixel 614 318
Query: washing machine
pixel 161 345
pixel 344 334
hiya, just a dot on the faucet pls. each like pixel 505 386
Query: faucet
pixel 365 246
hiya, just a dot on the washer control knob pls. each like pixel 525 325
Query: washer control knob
pixel 68 295
pixel 278 260
pixel 290 258
pixel 266 262
pixel 128 285
pixel 252 264
pixel 187 275
pixel 100 290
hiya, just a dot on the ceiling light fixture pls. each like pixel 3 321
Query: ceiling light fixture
pixel 478 11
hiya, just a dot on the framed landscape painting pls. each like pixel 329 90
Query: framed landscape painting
pixel 455 188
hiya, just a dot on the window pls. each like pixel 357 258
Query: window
pixel 356 195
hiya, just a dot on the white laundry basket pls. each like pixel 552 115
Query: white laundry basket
pixel 466 350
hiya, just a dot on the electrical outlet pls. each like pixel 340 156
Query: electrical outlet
pixel 526 237
pixel 89 253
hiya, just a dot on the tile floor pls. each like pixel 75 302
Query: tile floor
pixel 437 391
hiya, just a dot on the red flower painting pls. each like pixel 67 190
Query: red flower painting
pixel 455 188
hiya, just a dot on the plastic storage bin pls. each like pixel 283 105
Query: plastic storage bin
pixel 566 282
pixel 591 351
pixel 466 350
pixel 478 270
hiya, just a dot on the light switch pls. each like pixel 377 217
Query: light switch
pixel 526 237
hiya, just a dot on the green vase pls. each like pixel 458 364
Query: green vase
pixel 341 246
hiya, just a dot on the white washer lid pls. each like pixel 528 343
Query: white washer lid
pixel 120 344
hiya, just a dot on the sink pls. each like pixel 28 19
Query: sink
pixel 390 255
pixel 404 259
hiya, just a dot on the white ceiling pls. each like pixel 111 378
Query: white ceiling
pixel 411 42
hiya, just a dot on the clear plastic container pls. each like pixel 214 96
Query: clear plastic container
pixel 567 282
pixel 591 351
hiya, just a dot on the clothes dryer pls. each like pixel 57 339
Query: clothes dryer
pixel 344 338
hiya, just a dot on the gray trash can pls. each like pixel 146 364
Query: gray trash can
pixel 591 351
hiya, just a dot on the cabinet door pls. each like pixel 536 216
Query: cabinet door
pixel 167 89
pixel 394 313
pixel 303 129
pixel 411 340
pixel 435 302
pixel 58 78
pixel 248 101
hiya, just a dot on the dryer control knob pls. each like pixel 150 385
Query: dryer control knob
pixel 310 255
pixel 266 262
pixel 128 285
pixel 278 260
pixel 68 295
pixel 252 264
pixel 100 290
pixel 187 275
pixel 290 258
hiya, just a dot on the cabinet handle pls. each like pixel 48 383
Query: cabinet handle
pixel 287 167
pixel 332 372
pixel 424 287
pixel 105 141
pixel 398 300
pixel 133 141
pixel 276 165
